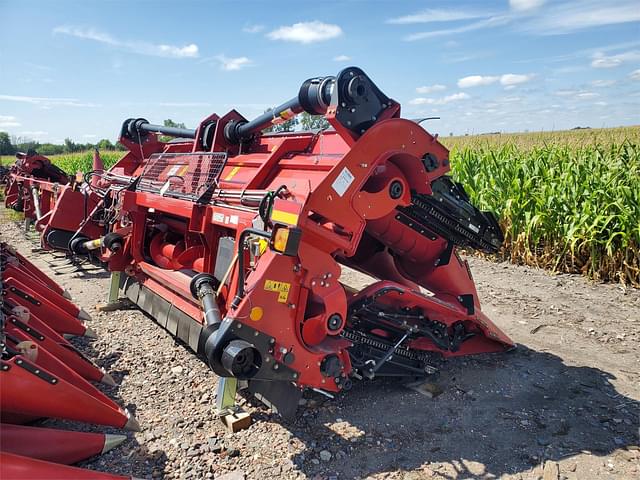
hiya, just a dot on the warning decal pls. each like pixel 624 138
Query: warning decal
pixel 232 173
pixel 343 181
pixel 177 171
pixel 281 287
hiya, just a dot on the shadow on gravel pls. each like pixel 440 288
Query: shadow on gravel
pixel 499 414
pixel 64 264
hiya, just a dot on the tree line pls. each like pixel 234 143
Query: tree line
pixel 304 121
pixel 10 144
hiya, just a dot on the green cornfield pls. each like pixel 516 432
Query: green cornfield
pixel 83 161
pixel 567 201
pixel 75 162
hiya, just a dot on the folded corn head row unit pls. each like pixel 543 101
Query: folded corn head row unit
pixel 43 375
pixel 234 240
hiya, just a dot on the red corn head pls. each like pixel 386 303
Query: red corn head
pixel 30 390
pixel 17 467
pixel 21 342
pixel 61 321
pixel 12 272
pixel 40 333
pixel 51 445
pixel 10 255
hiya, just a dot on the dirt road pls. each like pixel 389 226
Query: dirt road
pixel 564 404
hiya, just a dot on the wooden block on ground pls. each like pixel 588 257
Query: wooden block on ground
pixel 236 421
pixel 122 304
pixel 428 389
pixel 550 471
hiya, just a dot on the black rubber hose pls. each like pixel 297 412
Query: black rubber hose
pixel 241 246
pixel 203 287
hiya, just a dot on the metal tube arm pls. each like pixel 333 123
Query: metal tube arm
pixel 138 128
pixel 314 98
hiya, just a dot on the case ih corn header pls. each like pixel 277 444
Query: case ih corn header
pixel 234 240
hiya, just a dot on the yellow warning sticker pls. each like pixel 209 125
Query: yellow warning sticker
pixel 284 217
pixel 287 114
pixel 232 173
pixel 281 287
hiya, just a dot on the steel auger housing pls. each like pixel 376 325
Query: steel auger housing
pixel 234 240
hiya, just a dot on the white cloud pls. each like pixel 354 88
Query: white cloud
pixel 190 50
pixel 37 66
pixel 253 28
pixel 184 104
pixel 231 64
pixel 578 15
pixel 476 81
pixel 600 60
pixel 8 121
pixel 455 97
pixel 465 58
pixel 565 93
pixel 579 94
pixel 431 88
pixel 140 47
pixel 510 99
pixel 48 102
pixel 523 5
pixel 635 75
pixel 306 32
pixel 509 80
pixel 36 133
pixel 603 83
pixel 584 95
pixel 526 15
pixel 440 101
pixel 89 135
pixel 496 21
pixel 432 15
pixel 342 58
pixel 601 104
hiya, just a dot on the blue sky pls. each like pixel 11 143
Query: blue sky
pixel 79 68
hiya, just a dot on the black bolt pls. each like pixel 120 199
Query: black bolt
pixel 396 189
pixel 335 322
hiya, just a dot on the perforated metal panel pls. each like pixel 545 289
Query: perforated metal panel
pixel 182 175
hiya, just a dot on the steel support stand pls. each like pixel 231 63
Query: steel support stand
pixel 114 287
pixel 114 302
pixel 230 413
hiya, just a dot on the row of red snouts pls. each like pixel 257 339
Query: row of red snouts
pixel 43 375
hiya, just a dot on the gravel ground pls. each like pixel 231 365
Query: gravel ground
pixel 565 404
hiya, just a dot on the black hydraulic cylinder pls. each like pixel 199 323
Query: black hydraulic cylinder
pixel 210 307
pixel 138 128
pixel 314 98
pixel 284 112
pixel 171 131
